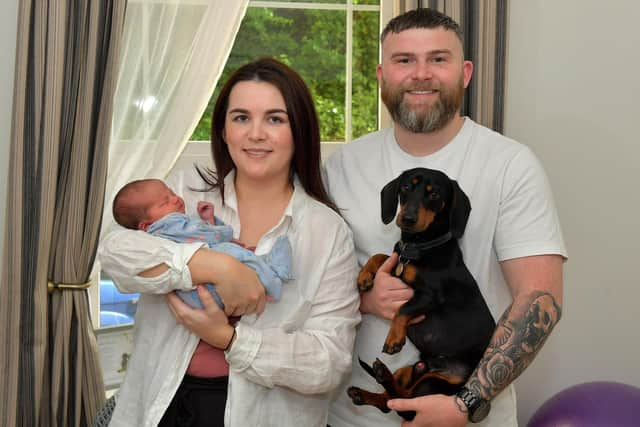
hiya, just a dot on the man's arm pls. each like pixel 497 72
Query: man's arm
pixel 535 283
pixel 536 286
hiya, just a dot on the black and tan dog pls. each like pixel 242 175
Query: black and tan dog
pixel 458 324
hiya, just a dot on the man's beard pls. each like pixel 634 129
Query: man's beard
pixel 432 118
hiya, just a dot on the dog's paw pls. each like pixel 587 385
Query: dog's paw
pixel 356 395
pixel 365 280
pixel 380 372
pixel 393 347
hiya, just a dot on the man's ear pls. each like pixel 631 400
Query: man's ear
pixel 467 72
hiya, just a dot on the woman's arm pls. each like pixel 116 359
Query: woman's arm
pixel 140 262
pixel 311 359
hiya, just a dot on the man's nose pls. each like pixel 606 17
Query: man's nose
pixel 423 71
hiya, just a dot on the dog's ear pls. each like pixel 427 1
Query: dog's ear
pixel 389 200
pixel 460 209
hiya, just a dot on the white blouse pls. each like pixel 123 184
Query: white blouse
pixel 285 363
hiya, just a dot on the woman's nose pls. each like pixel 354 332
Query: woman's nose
pixel 257 133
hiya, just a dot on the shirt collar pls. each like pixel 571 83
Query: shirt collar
pixel 294 207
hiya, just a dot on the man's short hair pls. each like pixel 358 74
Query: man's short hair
pixel 421 18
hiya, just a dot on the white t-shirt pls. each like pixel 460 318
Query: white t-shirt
pixel 512 215
pixel 284 363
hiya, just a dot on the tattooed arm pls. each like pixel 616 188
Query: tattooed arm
pixel 536 286
pixel 535 283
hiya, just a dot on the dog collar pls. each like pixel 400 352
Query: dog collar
pixel 413 251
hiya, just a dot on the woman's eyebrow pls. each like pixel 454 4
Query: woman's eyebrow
pixel 277 110
pixel 270 111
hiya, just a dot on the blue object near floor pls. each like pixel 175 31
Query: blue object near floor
pixel 113 318
pixel 116 308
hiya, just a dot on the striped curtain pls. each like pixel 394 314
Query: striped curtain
pixel 484 24
pixel 66 59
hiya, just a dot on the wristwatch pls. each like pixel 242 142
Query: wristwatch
pixel 477 407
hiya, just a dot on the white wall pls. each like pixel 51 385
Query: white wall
pixel 573 96
pixel 8 25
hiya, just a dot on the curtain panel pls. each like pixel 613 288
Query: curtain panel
pixel 484 25
pixel 66 61
pixel 173 54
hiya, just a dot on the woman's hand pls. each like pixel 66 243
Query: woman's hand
pixel 210 323
pixel 238 285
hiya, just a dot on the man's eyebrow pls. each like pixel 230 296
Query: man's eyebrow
pixel 440 52
pixel 430 53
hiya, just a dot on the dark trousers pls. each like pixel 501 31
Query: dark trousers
pixel 199 402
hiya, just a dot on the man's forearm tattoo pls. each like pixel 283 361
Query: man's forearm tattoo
pixel 519 335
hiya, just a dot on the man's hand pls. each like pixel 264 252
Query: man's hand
pixel 388 292
pixel 205 212
pixel 436 410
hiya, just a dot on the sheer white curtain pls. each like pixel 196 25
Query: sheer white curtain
pixel 173 54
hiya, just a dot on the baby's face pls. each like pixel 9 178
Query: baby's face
pixel 161 201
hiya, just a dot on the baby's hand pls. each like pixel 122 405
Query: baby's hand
pixel 205 212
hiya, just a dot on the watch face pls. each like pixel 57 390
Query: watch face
pixel 480 412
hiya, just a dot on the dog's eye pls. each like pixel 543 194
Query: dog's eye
pixel 434 196
pixel 404 188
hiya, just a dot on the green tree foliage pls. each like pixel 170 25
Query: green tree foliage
pixel 313 42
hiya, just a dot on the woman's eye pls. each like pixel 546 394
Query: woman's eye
pixel 240 118
pixel 276 119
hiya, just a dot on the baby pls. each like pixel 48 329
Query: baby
pixel 149 205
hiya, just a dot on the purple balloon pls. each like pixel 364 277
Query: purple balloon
pixel 594 404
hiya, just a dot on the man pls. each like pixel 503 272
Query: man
pixel 512 244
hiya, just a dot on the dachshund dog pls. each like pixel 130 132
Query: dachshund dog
pixel 458 324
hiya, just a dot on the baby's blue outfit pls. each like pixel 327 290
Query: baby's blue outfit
pixel 272 268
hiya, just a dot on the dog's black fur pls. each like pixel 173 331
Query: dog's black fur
pixel 458 324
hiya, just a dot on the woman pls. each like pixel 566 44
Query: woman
pixel 285 362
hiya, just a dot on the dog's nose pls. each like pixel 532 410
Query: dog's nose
pixel 409 218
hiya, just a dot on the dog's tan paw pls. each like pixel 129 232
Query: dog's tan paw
pixel 365 280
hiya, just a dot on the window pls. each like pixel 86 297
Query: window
pixel 333 44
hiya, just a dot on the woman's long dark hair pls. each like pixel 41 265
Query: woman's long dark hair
pixel 303 120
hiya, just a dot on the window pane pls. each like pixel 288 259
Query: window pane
pixel 364 114
pixel 115 308
pixel 310 41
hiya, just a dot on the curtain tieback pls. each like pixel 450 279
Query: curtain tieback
pixel 52 287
